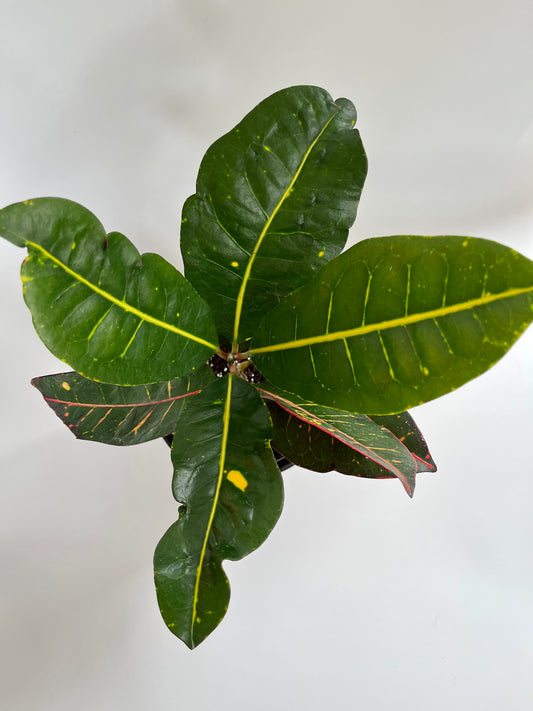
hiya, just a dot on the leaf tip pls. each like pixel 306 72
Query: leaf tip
pixel 409 486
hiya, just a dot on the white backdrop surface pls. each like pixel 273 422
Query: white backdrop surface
pixel 360 598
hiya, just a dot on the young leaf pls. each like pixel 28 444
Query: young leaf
pixel 119 414
pixel 396 321
pixel 308 446
pixel 274 200
pixel 356 432
pixel 232 494
pixel 110 313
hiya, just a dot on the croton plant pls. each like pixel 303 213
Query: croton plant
pixel 275 347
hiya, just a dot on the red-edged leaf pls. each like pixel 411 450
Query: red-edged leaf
pixel 357 432
pixel 119 414
pixel 405 429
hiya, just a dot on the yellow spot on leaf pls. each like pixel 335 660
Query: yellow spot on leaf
pixel 425 371
pixel 321 253
pixel 237 479
pixel 465 243
pixel 267 149
pixel 235 264
pixel 65 386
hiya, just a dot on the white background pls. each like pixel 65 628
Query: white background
pixel 360 598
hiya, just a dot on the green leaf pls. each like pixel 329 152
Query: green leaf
pixel 396 321
pixel 274 200
pixel 110 313
pixel 335 431
pixel 119 414
pixel 308 446
pixel 232 494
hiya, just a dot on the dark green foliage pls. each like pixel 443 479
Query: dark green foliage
pixel 308 446
pixel 397 321
pixel 119 414
pixel 228 482
pixel 314 355
pixel 274 201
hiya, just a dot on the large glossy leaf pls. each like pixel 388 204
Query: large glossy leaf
pixel 358 433
pixel 231 493
pixel 308 446
pixel 396 321
pixel 110 313
pixel 119 414
pixel 274 200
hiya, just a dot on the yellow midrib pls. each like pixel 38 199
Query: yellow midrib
pixel 249 266
pixel 122 304
pixel 393 323
pixel 223 447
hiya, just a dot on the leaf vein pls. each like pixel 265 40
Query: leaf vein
pixel 264 231
pixel 120 303
pixel 396 322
